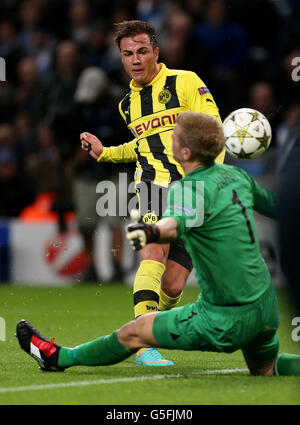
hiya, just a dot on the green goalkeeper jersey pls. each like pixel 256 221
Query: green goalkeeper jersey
pixel 213 207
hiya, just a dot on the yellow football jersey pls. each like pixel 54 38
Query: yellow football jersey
pixel 150 113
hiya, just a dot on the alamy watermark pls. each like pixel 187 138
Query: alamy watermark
pixel 296 330
pixel 183 198
pixel 2 329
pixel 296 70
pixel 2 69
pixel 114 199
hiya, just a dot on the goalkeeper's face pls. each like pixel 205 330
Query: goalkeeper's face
pixel 139 59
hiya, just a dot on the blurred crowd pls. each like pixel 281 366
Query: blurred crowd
pixel 64 76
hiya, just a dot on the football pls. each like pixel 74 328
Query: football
pixel 247 133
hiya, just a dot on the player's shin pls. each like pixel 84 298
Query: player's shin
pixel 146 287
pixel 103 351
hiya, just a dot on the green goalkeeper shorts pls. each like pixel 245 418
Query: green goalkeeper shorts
pixel 206 327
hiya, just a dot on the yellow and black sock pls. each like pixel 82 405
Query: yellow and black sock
pixel 146 287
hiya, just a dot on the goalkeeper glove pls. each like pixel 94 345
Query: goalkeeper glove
pixel 140 234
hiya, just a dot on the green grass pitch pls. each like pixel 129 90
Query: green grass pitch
pixel 78 314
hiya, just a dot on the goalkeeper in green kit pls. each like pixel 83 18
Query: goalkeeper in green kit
pixel 211 209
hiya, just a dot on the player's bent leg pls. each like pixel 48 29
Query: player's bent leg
pixel 178 267
pixel 283 365
pixel 261 353
pixel 172 285
pixel 138 333
pixel 146 290
pixel 256 369
pixel 146 287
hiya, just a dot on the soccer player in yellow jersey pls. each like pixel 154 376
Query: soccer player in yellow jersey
pixel 157 95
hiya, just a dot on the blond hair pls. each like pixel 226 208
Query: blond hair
pixel 134 27
pixel 202 134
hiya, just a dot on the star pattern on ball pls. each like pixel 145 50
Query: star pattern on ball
pixel 241 132
pixel 264 140
pixel 254 116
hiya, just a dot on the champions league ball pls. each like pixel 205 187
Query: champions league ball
pixel 247 133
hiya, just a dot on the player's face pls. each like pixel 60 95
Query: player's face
pixel 139 59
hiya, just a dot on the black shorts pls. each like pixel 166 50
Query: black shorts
pixel 152 203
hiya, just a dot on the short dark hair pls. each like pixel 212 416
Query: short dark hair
pixel 134 27
pixel 202 133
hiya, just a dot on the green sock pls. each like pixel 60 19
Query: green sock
pixel 288 365
pixel 102 351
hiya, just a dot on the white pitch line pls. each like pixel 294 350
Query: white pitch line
pixel 117 380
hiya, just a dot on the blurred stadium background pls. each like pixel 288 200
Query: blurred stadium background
pixel 63 76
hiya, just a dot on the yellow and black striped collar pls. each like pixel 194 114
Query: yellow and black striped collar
pixel 161 74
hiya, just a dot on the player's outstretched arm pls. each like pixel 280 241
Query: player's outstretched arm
pixel 141 234
pixel 91 144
